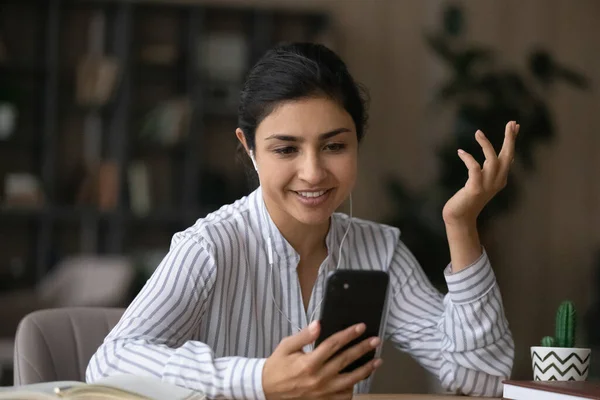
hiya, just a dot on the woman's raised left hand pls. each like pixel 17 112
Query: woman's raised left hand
pixel 483 182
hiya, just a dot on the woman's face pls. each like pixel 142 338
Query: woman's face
pixel 306 154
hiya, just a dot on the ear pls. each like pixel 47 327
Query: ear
pixel 240 135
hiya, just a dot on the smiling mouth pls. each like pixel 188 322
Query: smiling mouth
pixel 311 194
pixel 313 198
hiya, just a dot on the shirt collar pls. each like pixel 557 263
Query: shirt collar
pixel 282 249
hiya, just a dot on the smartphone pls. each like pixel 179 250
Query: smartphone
pixel 352 297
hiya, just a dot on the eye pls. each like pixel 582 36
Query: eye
pixel 285 151
pixel 335 147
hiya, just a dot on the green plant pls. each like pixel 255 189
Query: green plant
pixel 485 96
pixel 565 328
pixel 548 341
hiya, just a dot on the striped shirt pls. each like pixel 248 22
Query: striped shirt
pixel 206 318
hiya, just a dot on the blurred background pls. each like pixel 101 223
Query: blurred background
pixel 117 123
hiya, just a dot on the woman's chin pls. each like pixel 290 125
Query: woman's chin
pixel 311 211
pixel 313 217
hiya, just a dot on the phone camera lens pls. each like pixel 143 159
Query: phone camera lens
pixel 346 286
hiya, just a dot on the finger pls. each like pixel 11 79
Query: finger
pixel 350 355
pixel 348 380
pixel 475 176
pixel 507 153
pixel 488 149
pixel 335 342
pixel 490 165
pixel 295 343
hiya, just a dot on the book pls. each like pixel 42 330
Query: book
pixel 551 390
pixel 123 387
pixel 139 188
pixel 96 80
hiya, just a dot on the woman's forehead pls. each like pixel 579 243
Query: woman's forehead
pixel 307 118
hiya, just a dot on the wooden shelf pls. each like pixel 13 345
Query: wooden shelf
pixel 46 47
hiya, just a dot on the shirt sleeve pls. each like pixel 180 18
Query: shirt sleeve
pixel 463 338
pixel 154 336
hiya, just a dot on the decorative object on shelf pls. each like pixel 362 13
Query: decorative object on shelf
pixel 168 123
pixel 22 190
pixel 8 99
pixel 96 80
pixel 485 97
pixel 139 188
pixel 158 54
pixel 222 60
pixel 223 56
pixel 8 119
pixel 100 188
pixel 108 186
pixel 557 359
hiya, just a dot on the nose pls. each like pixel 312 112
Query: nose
pixel 311 170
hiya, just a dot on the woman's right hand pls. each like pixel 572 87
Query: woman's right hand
pixel 292 374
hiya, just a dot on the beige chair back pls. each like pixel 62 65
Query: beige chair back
pixel 57 344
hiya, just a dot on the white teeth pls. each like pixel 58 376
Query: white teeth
pixel 312 194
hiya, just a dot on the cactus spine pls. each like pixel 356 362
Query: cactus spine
pixel 565 325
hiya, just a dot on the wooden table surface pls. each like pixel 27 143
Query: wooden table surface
pixel 410 396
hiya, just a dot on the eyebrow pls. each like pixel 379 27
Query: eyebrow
pixel 322 136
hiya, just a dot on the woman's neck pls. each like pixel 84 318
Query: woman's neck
pixel 305 239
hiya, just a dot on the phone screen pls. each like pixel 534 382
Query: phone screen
pixel 352 297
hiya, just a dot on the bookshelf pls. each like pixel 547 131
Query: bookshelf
pixel 168 63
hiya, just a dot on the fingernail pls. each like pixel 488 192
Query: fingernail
pixel 377 363
pixel 360 328
pixel 478 132
pixel 517 129
pixel 312 328
pixel 461 151
pixel 375 342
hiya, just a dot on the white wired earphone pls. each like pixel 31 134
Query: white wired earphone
pixel 271 262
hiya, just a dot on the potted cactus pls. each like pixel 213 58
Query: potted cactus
pixel 557 359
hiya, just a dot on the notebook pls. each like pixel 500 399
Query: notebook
pixel 122 387
pixel 551 390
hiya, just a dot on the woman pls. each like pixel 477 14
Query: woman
pixel 231 310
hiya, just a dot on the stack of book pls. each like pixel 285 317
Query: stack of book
pixel 551 390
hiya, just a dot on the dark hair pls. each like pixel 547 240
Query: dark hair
pixel 295 71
